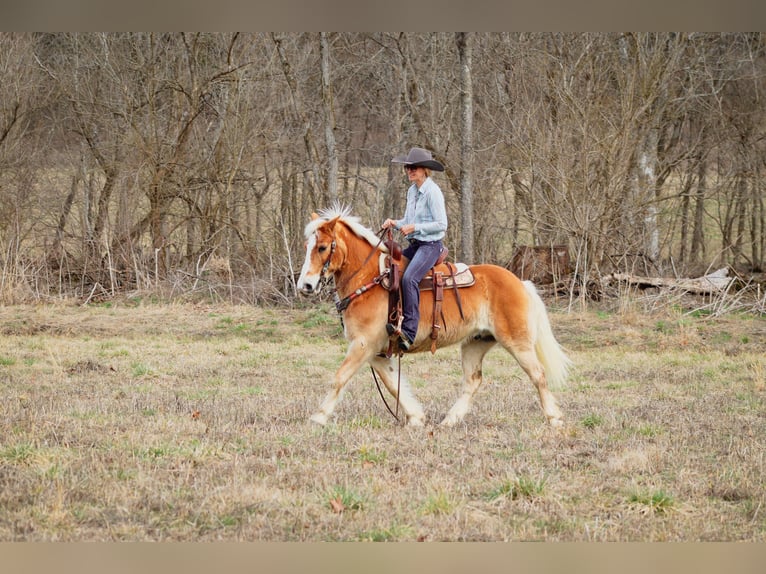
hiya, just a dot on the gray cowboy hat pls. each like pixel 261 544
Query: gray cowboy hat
pixel 419 157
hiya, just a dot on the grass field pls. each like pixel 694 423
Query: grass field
pixel 190 422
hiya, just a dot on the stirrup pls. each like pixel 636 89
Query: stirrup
pixel 392 329
pixel 404 342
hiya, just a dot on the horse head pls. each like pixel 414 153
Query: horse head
pixel 322 254
pixel 335 241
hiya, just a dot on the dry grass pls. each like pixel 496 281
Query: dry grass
pixel 189 422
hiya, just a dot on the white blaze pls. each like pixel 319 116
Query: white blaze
pixel 305 280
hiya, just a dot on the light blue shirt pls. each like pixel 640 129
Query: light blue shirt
pixel 425 208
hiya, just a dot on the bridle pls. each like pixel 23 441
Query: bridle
pixel 326 266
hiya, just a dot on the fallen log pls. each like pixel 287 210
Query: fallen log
pixel 716 282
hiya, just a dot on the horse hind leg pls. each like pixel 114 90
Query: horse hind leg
pixel 397 385
pixel 472 355
pixel 527 359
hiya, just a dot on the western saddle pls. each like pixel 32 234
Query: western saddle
pixel 442 275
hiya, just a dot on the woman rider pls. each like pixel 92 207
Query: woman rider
pixel 424 225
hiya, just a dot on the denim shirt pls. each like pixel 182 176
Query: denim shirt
pixel 425 208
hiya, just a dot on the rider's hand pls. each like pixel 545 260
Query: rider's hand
pixel 389 223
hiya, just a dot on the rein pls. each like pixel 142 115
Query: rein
pixel 342 304
pixel 398 388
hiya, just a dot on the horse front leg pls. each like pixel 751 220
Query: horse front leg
pixel 397 385
pixel 357 355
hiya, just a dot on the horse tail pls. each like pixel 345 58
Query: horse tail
pixel 547 348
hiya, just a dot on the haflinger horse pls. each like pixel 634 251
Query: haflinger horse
pixel 497 308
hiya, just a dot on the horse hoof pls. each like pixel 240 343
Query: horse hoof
pixel 448 421
pixel 319 418
pixel 415 422
pixel 556 423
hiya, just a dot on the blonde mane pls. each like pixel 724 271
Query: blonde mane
pixel 343 213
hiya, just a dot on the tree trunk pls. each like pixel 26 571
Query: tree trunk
pixel 465 49
pixel 685 223
pixel 698 235
pixel 329 120
pixel 647 194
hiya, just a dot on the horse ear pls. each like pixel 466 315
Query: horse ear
pixel 332 222
pixel 314 216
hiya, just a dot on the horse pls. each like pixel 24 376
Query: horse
pixel 498 308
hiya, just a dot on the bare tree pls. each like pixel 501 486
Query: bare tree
pixel 465 50
pixel 329 119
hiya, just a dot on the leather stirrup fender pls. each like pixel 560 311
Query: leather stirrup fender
pixel 394 275
pixel 438 297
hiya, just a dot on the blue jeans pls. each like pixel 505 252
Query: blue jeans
pixel 422 256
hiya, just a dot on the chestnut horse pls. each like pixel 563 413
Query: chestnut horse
pixel 497 308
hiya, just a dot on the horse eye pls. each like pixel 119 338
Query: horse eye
pixel 322 248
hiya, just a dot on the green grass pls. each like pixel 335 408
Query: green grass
pixel 650 431
pixel 319 318
pixel 341 498
pixel 371 456
pixel 658 501
pixel 369 421
pixel 387 534
pixel 519 487
pixel 17 453
pixel 592 421
pixel 140 370
pixel 438 503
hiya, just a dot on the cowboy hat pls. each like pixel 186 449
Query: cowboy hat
pixel 419 157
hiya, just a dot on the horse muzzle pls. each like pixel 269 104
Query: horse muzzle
pixel 309 287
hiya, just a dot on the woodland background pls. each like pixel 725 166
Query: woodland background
pixel 186 163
